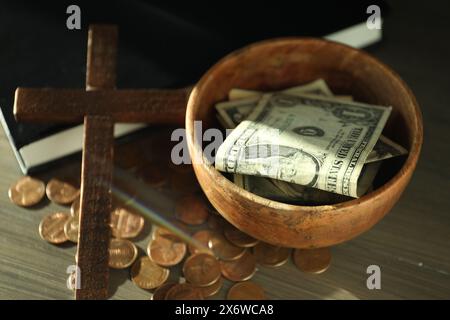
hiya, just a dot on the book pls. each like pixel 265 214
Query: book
pixel 162 44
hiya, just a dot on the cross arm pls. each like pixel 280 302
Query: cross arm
pixel 154 106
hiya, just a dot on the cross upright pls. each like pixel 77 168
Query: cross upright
pixel 100 105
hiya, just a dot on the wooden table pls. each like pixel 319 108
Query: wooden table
pixel 411 244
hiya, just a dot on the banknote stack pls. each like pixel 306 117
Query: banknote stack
pixel 303 145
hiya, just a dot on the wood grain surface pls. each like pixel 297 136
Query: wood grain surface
pixel 411 244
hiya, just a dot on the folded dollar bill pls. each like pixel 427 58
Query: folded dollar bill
pixel 308 140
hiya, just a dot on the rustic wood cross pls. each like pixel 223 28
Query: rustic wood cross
pixel 99 106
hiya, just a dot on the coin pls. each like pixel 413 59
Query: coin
pixel 223 248
pixel 183 183
pixel 271 256
pixel 148 275
pixel 312 260
pixel 216 223
pixel 212 289
pixel 51 228
pixel 122 253
pixel 75 208
pixel 191 210
pixel 247 290
pixel 153 175
pixel 159 231
pixel 239 238
pixel 201 269
pixel 126 224
pixel 161 292
pixel 27 191
pixel 239 270
pixel 62 191
pixel 71 229
pixel 167 250
pixel 184 291
pixel 202 237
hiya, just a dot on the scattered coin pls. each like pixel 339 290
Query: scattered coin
pixel 126 224
pixel 203 237
pixel 184 291
pixel 159 231
pixel 62 191
pixel 166 250
pixel 51 228
pixel 148 275
pixel 216 222
pixel 223 248
pixel 75 208
pixel 201 269
pixel 153 175
pixel 27 191
pixel 246 291
pixel 161 292
pixel 271 256
pixel 191 210
pixel 122 253
pixel 212 289
pixel 239 238
pixel 71 229
pixel 312 260
pixel 239 270
pixel 183 183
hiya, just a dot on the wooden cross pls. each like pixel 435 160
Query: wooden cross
pixel 99 106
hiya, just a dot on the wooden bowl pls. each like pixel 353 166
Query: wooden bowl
pixel 282 63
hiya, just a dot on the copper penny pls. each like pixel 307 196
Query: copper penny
pixel 75 208
pixel 223 248
pixel 167 250
pixel 271 256
pixel 62 191
pixel 27 191
pixel 201 269
pixel 312 260
pixel 246 291
pixel 71 229
pixel 183 183
pixel 192 210
pixel 148 275
pixel 161 292
pixel 239 270
pixel 153 175
pixel 122 253
pixel 159 231
pixel 203 238
pixel 216 223
pixel 51 228
pixel 212 289
pixel 184 291
pixel 126 224
pixel 239 238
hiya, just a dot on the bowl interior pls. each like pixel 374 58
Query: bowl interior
pixel 283 63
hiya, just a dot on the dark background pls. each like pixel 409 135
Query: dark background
pixel 161 43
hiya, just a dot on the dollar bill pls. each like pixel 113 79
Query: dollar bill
pixel 307 140
pixel 287 192
pixel 318 87
pixel 231 113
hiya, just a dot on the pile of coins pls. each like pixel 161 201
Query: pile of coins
pixel 217 252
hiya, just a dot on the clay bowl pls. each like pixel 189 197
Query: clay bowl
pixel 282 63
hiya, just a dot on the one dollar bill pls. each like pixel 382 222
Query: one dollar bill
pixel 312 141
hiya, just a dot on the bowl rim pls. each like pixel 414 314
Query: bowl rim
pixel 196 151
